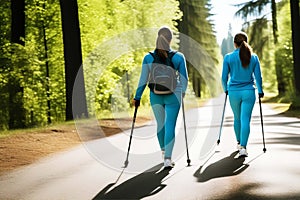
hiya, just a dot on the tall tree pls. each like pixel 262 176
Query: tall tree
pixel 15 90
pixel 73 60
pixel 101 22
pixel 227 43
pixel 47 69
pixel 18 21
pixel 257 8
pixel 295 19
pixel 44 82
pixel 5 62
pixel 197 25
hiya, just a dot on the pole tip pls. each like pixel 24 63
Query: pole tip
pixel 189 162
pixel 264 150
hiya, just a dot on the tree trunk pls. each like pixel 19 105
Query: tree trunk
pixel 274 21
pixel 16 106
pixel 75 90
pixel 183 27
pixel 17 21
pixel 281 85
pixel 47 73
pixel 295 19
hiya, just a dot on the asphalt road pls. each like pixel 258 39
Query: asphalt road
pixel 94 170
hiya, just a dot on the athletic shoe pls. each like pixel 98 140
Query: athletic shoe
pixel 243 152
pixel 239 147
pixel 163 155
pixel 168 164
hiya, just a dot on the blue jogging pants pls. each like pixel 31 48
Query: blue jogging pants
pixel 166 109
pixel 242 103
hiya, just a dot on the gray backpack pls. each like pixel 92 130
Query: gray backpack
pixel 163 76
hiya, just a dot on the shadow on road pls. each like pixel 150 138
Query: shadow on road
pixel 269 120
pixel 145 184
pixel 228 166
pixel 288 140
pixel 246 192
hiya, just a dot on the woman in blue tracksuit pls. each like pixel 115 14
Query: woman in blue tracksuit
pixel 241 65
pixel 165 107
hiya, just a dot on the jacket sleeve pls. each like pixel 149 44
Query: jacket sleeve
pixel 183 73
pixel 143 78
pixel 257 75
pixel 225 73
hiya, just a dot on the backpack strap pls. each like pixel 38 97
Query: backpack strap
pixel 170 53
pixel 170 56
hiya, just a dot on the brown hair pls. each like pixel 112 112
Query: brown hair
pixel 241 39
pixel 163 41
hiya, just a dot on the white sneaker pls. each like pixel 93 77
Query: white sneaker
pixel 168 163
pixel 243 152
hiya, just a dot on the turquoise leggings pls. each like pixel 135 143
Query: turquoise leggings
pixel 242 103
pixel 166 109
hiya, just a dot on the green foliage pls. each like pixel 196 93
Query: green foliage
pixel 4 61
pixel 276 60
pixel 283 52
pixel 26 64
pixel 263 46
pixel 42 15
pixel 110 79
pixel 197 25
pixel 109 21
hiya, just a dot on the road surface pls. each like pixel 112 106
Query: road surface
pixel 94 170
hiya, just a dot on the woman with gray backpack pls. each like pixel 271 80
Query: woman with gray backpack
pixel 165 73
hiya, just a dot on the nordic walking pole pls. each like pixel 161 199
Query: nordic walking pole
pixel 262 125
pixel 218 142
pixel 186 143
pixel 132 127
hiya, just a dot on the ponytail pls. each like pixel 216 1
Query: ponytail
pixel 245 54
pixel 163 42
pixel 162 46
pixel 240 40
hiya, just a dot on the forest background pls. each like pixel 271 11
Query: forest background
pixel 44 43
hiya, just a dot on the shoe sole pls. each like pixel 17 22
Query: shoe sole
pixel 168 168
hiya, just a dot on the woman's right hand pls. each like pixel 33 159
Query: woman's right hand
pixel 136 102
pixel 261 95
